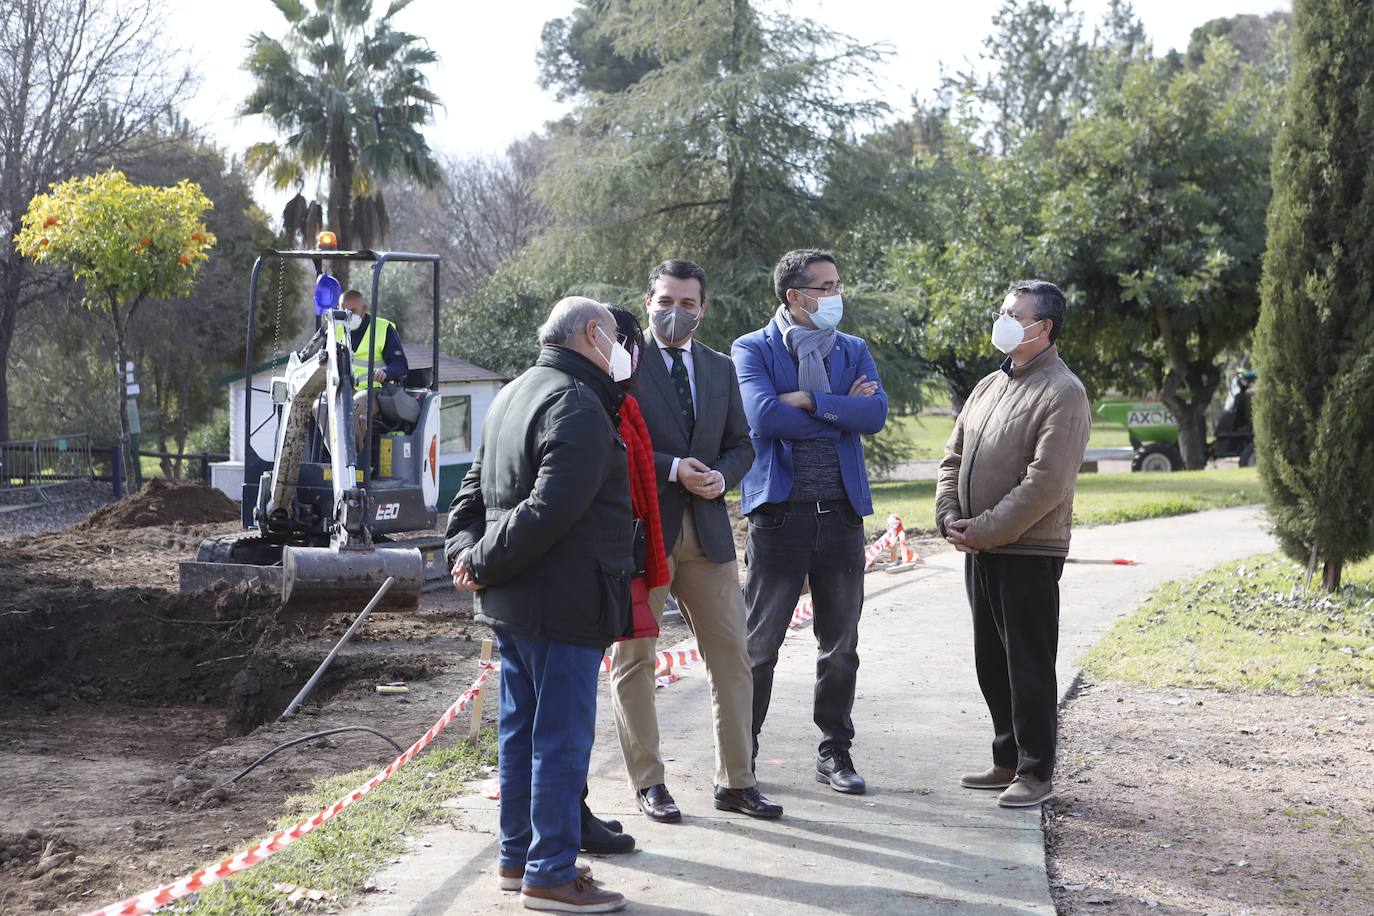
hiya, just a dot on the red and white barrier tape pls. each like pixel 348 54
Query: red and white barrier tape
pixel 893 540
pixel 687 653
pixel 197 881
pixel 679 656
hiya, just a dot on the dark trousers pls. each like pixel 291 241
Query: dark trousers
pixel 784 548
pixel 546 727
pixel 1015 602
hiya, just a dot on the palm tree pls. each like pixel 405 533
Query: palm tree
pixel 349 94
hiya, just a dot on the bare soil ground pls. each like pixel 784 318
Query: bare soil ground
pixel 1196 801
pixel 125 706
pixel 164 502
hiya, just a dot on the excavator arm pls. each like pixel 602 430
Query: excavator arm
pixel 350 568
pixel 322 367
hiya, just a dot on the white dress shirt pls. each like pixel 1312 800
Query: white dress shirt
pixel 686 361
pixel 691 380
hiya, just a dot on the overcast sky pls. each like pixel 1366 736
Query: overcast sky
pixel 487 74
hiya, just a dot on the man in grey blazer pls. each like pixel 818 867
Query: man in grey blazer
pixel 690 400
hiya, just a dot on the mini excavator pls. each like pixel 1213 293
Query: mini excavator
pixel 319 515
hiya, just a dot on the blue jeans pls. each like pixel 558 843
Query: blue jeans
pixel 546 726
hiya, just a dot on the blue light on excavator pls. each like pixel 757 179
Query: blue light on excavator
pixel 328 290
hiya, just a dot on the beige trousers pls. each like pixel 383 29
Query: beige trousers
pixel 713 606
pixel 321 412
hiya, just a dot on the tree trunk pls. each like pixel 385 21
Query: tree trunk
pixel 1188 388
pixel 119 392
pixel 165 463
pixel 736 246
pixel 180 431
pixel 1192 433
pixel 9 316
pixel 340 194
pixel 6 338
pixel 1331 575
pixel 162 399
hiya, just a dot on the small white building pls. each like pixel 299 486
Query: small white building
pixel 465 391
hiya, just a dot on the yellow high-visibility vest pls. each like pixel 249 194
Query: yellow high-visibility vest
pixel 370 342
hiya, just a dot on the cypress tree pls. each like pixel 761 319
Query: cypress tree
pixel 1315 340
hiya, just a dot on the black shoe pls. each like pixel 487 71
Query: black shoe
pixel 837 768
pixel 600 841
pixel 657 802
pixel 748 801
pixel 612 826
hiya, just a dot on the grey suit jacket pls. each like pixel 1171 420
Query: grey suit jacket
pixel 720 439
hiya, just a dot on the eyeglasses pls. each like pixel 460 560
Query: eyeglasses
pixel 830 289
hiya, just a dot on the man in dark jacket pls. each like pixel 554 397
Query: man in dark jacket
pixel 542 532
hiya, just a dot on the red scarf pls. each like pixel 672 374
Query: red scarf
pixel 644 490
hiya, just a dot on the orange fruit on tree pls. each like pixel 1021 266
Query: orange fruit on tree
pixel 184 260
pixel 50 221
pixel 144 241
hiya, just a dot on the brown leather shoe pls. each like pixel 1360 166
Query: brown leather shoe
pixel 657 803
pixel 994 777
pixel 510 879
pixel 1026 792
pixel 748 801
pixel 579 896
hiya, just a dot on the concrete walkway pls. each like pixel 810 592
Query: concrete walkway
pixel 916 843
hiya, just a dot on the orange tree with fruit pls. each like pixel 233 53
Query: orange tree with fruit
pixel 124 243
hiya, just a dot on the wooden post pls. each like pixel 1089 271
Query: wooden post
pixel 476 724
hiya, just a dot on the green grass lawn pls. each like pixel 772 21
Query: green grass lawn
pixel 1100 499
pixel 340 856
pixel 1248 626
pixel 928 433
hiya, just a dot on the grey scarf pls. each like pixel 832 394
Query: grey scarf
pixel 809 346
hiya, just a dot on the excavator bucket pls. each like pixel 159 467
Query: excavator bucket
pixel 323 578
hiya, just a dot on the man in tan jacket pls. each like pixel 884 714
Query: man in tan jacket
pixel 1005 499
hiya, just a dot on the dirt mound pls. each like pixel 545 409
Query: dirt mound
pixel 164 502
pixel 65 640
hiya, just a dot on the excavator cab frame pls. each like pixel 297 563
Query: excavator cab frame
pixel 323 526
pixel 254 464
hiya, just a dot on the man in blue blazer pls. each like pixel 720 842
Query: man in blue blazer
pixel 809 393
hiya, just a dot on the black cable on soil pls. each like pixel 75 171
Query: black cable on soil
pixel 311 737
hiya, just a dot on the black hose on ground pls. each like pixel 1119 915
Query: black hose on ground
pixel 311 737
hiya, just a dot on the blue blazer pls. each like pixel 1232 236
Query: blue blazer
pixel 765 368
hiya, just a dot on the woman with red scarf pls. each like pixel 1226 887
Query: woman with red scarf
pixel 651 561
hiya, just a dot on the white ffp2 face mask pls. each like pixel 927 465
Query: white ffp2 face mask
pixel 354 322
pixel 1008 334
pixel 619 363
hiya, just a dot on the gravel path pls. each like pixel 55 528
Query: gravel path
pixel 25 511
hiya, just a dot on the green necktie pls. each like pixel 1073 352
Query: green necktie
pixel 683 386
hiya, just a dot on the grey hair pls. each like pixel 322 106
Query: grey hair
pixel 1047 300
pixel 570 315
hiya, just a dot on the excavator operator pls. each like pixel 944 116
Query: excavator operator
pixel 381 338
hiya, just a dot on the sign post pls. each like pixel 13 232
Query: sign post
pixel 131 392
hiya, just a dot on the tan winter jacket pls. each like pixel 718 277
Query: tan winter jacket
pixel 1013 458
